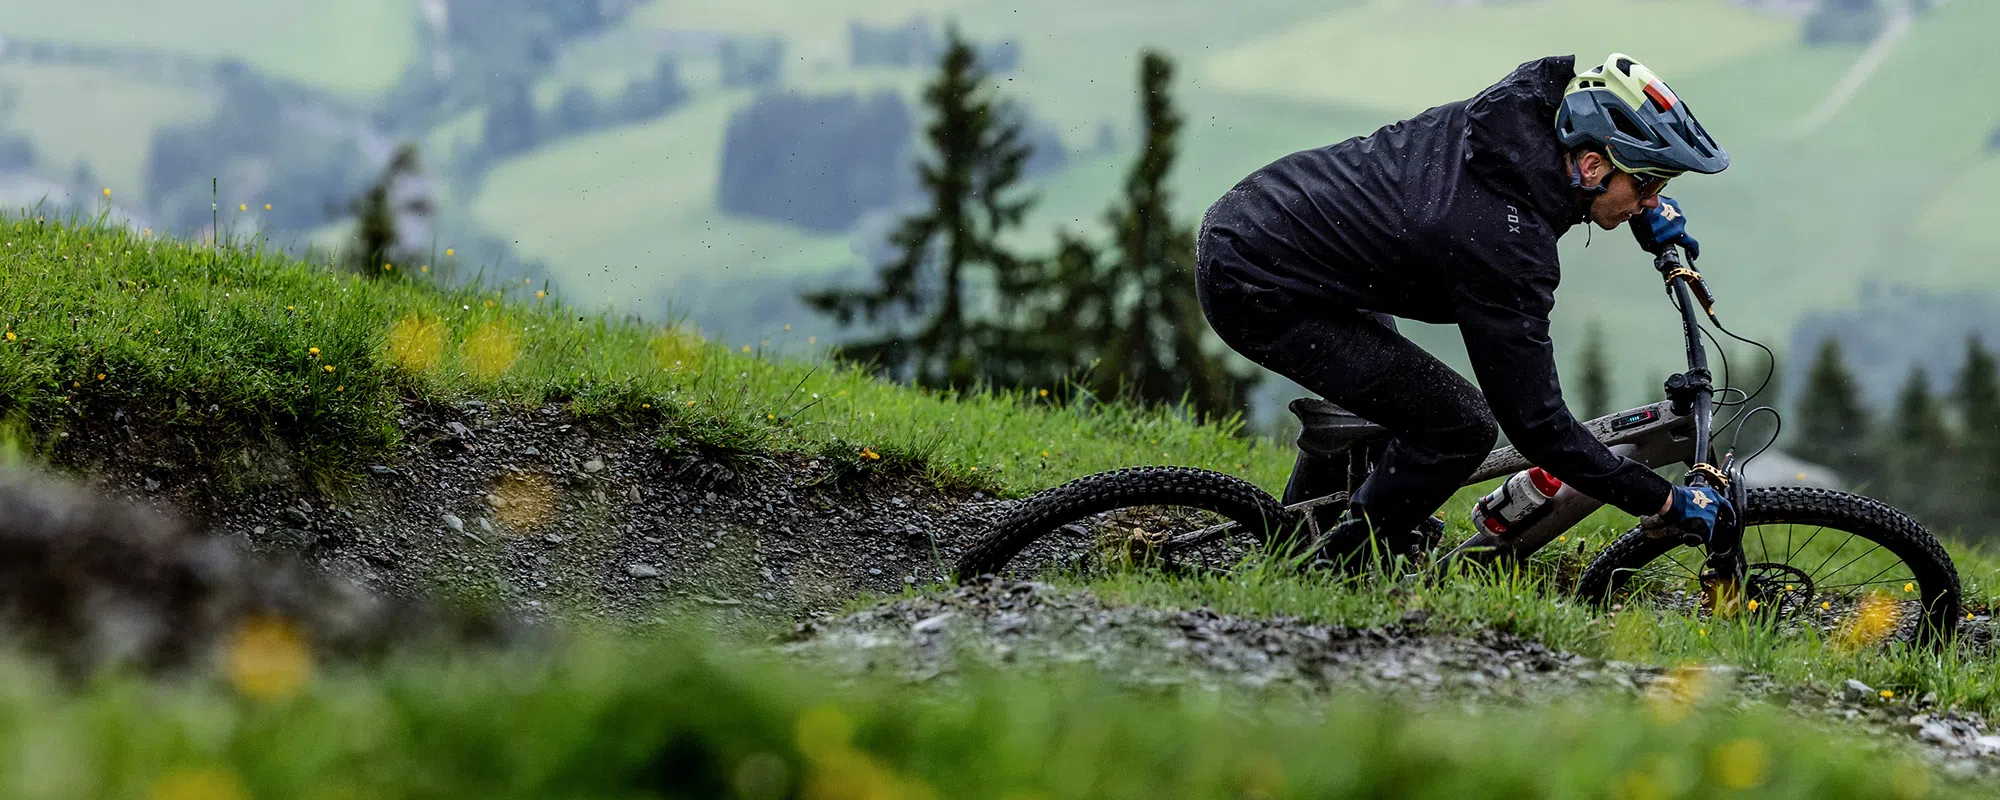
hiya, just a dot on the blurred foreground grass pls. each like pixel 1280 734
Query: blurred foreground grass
pixel 680 716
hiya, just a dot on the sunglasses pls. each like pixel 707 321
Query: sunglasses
pixel 1648 186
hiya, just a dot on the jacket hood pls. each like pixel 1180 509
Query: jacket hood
pixel 1511 141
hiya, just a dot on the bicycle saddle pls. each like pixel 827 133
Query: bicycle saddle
pixel 1330 429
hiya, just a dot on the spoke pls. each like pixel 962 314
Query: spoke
pixel 1684 568
pixel 1788 544
pixel 1762 547
pixel 1850 563
pixel 1871 578
pixel 1805 544
pixel 1813 574
pixel 1868 583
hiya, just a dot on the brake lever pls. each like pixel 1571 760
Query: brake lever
pixel 1670 266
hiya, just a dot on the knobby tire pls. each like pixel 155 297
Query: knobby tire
pixel 1238 500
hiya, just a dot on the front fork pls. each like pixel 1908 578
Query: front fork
pixel 1724 572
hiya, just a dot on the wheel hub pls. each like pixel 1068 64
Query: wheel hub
pixel 1780 590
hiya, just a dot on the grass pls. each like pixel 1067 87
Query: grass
pixel 676 716
pixel 112 132
pixel 351 46
pixel 246 349
pixel 1534 602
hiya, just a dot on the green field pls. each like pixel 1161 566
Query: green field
pixel 1402 56
pixel 352 46
pixel 111 132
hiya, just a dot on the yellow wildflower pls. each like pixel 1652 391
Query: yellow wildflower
pixel 1910 587
pixel 447 251
pixel 328 368
pixel 10 336
pixel 107 191
pixel 242 206
pixel 1741 764
pixel 100 376
pixel 268 659
pixel 267 206
pixel 1888 693
pixel 312 350
pixel 1752 605
pixel 1044 393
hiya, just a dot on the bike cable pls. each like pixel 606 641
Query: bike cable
pixel 1740 418
pixel 1778 421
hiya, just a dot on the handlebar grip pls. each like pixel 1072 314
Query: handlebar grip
pixel 1668 260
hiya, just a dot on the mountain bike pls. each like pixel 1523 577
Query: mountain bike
pixel 1790 555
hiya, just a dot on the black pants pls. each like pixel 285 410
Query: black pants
pixel 1442 427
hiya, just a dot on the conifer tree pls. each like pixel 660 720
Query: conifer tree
pixel 1833 425
pixel 1915 452
pixel 1976 469
pixel 1594 385
pixel 951 251
pixel 379 251
pixel 1156 347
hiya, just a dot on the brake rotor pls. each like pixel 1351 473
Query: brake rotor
pixel 1780 590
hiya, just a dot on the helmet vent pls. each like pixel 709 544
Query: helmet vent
pixel 1626 124
pixel 1625 66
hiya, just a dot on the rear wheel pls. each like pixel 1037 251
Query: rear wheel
pixel 1847 566
pixel 1147 512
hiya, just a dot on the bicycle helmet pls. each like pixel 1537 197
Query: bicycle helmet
pixel 1628 111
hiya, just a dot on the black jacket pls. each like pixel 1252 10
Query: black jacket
pixel 1448 217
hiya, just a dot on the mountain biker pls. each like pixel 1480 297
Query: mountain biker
pixel 1452 216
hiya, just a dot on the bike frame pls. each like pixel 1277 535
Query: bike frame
pixel 1675 430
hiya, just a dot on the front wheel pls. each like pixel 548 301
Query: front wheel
pixel 1850 567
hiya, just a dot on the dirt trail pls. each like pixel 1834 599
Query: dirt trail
pixel 546 512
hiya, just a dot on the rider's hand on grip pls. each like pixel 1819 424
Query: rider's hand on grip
pixel 1694 509
pixel 1657 229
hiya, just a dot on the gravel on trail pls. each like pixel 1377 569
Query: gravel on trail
pixel 1009 624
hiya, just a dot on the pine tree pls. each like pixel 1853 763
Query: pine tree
pixel 952 249
pixel 1915 451
pixel 378 241
pixel 1833 425
pixel 1594 385
pixel 1157 348
pixel 1976 469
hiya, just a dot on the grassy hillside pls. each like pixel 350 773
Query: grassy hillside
pixel 1400 57
pixel 236 350
pixel 245 350
pixel 354 46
